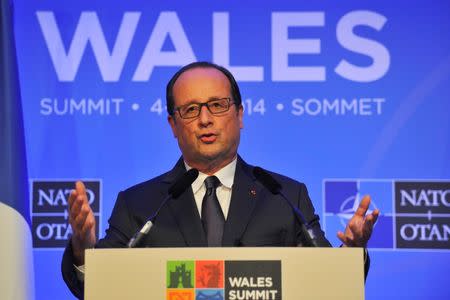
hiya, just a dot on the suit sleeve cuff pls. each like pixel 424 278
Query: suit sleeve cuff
pixel 79 270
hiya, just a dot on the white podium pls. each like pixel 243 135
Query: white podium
pixel 225 273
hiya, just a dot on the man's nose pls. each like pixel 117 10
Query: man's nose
pixel 205 116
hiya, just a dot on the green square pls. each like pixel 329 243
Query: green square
pixel 180 274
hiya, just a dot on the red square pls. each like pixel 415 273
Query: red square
pixel 209 274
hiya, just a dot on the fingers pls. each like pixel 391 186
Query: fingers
pixel 375 215
pixel 341 236
pixel 82 221
pixel 346 240
pixel 73 195
pixel 81 217
pixel 369 223
pixel 363 206
pixel 351 237
pixel 77 198
pixel 372 218
pixel 80 189
pixel 88 229
pixel 359 229
pixel 78 194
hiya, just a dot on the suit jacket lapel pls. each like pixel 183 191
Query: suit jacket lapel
pixel 243 201
pixel 244 198
pixel 185 210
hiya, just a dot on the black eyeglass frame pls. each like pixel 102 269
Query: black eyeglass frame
pixel 200 105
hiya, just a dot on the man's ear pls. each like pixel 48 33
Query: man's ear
pixel 241 116
pixel 172 124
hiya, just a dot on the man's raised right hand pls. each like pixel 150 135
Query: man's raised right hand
pixel 82 220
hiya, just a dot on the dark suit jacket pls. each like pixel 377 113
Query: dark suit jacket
pixel 255 218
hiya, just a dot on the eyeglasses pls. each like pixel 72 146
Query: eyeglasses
pixel 215 106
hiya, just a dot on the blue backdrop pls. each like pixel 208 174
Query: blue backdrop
pixel 348 97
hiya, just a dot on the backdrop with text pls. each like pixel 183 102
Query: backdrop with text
pixel 348 97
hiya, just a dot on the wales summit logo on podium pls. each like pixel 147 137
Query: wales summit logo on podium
pixel 223 280
pixel 415 214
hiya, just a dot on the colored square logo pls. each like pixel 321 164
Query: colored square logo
pixel 180 274
pixel 209 274
pixel 209 294
pixel 219 280
pixel 180 294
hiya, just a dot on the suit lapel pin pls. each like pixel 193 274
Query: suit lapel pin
pixel 252 192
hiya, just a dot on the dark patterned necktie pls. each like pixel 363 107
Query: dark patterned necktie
pixel 212 215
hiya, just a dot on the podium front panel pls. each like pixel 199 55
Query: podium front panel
pixel 225 273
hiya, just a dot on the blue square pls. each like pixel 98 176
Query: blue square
pixel 381 194
pixel 382 235
pixel 336 192
pixel 209 294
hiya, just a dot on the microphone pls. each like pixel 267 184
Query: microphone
pixel 274 187
pixel 175 190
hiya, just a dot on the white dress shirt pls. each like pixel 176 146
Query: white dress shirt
pixel 223 191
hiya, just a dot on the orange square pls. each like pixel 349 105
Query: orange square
pixel 209 274
pixel 180 294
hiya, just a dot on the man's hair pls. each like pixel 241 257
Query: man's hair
pixel 235 93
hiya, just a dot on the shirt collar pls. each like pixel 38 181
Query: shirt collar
pixel 225 175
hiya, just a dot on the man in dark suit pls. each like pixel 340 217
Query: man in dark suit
pixel 206 116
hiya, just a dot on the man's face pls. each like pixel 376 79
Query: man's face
pixel 208 138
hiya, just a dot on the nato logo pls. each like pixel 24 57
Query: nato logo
pixel 49 210
pixel 422 214
pixel 414 214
